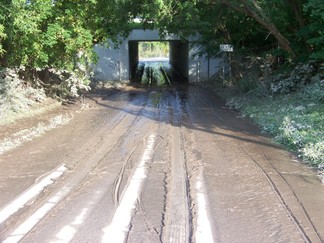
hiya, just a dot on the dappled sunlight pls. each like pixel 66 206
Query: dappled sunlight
pixel 67 233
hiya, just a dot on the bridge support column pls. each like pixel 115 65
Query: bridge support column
pixel 133 57
pixel 179 57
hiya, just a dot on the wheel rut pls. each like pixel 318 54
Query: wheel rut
pixel 258 150
pixel 177 216
pixel 84 166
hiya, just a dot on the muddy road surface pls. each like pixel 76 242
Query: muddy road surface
pixel 168 165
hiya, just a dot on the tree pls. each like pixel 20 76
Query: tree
pixel 3 35
pixel 313 30
pixel 46 33
pixel 25 42
pixel 295 26
pixel 252 9
pixel 58 33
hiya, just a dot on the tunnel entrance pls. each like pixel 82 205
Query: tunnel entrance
pixel 175 52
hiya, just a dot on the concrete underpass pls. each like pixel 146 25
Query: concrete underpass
pixel 120 63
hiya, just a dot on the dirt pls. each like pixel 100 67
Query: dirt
pixel 210 169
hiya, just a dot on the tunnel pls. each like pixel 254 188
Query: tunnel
pixel 119 62
pixel 178 58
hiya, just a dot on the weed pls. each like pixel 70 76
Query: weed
pixel 314 152
pixel 295 119
pixel 16 95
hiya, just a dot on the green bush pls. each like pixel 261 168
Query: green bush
pixel 2 37
pixel 42 35
pixel 314 152
pixel 315 92
pixel 66 84
pixel 295 119
pixel 247 84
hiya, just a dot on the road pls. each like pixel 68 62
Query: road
pixel 157 165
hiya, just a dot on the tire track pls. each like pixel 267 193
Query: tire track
pixel 306 228
pixel 85 165
pixel 177 216
pixel 288 209
pixel 117 230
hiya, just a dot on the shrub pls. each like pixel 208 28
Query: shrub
pixel 290 133
pixel 291 82
pixel 315 92
pixel 63 84
pixel 16 95
pixel 295 119
pixel 247 84
pixel 314 152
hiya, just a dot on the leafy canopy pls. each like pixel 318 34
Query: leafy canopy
pixel 61 33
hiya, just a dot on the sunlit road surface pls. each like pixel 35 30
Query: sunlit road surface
pixel 158 165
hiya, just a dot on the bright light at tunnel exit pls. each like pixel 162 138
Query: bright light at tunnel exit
pixel 154 50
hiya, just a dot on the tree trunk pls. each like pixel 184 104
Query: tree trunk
pixel 258 16
pixel 296 7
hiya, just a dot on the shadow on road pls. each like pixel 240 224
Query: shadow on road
pixel 211 114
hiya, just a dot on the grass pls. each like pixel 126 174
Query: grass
pixel 299 127
pixel 296 120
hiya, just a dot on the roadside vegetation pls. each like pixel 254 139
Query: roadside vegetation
pixel 288 104
pixel 46 49
pixel 49 44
